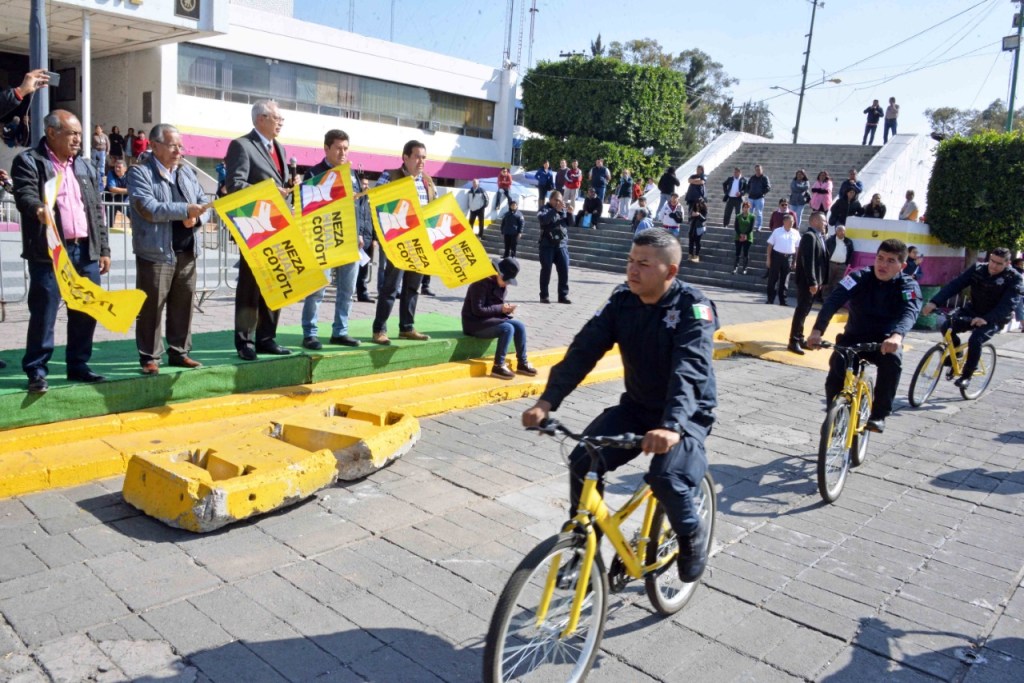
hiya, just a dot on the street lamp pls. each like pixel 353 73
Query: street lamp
pixel 803 89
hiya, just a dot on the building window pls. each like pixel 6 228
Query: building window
pixel 235 77
pixel 518 117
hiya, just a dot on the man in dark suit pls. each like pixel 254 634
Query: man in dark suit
pixel 251 159
pixel 839 248
pixel 811 274
pixel 82 231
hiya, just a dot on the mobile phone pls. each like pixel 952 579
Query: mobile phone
pixel 54 78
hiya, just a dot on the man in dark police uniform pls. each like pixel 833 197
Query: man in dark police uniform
pixel 664 329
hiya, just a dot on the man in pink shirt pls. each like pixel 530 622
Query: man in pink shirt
pixel 83 233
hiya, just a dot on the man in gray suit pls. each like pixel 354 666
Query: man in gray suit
pixel 811 274
pixel 250 159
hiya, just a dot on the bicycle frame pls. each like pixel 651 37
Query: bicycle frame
pixel 854 387
pixel 594 509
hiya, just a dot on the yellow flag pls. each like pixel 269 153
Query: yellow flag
pixel 395 209
pixel 325 209
pixel 116 310
pixel 281 260
pixel 462 257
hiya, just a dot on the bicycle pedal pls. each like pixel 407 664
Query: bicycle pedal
pixel 617 576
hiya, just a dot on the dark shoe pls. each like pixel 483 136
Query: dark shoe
pixel 564 301
pixel 769 301
pixel 38 385
pixel 426 291
pixel 962 382
pixel 273 349
pixel 345 340
pixel 693 555
pixel 364 298
pixel 413 335
pixel 502 372
pixel 85 375
pixel 185 362
pixel 876 425
pixel 525 368
pixel 781 302
pixel 380 338
pixel 794 347
pixel 247 353
pixel 151 368
pixel 312 343
pixel 545 300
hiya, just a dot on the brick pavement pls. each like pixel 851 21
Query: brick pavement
pixel 913 575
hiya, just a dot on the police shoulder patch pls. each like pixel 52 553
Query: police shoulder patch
pixel 702 312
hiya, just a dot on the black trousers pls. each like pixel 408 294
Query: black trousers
pixel 742 252
pixel 511 241
pixel 559 257
pixel 804 299
pixel 255 323
pixel 672 476
pixel 477 215
pixel 731 204
pixel 778 272
pixel 169 287
pixel 979 335
pixel 889 368
pixel 406 301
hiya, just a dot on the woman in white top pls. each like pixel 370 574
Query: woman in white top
pixel 671 215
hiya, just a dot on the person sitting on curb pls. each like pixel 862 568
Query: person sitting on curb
pixel 486 315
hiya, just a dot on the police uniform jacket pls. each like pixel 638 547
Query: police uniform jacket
pixel 554 226
pixel 666 351
pixel 993 297
pixel 877 309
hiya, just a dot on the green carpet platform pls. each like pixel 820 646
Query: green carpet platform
pixel 223 372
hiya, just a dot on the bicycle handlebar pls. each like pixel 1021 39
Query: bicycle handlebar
pixel 868 347
pixel 553 427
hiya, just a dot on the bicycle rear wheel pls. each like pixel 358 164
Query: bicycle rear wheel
pixel 833 455
pixel 521 649
pixel 859 451
pixel 926 376
pixel 666 592
pixel 982 377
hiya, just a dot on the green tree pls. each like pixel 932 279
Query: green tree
pixel 606 99
pixel 585 149
pixel 596 47
pixel 974 195
pixel 949 121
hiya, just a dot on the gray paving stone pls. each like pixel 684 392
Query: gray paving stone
pixel 143 584
pixel 56 551
pixel 757 634
pixel 187 629
pixel 76 658
pixel 139 659
pixel 803 652
pixel 103 540
pixel 858 664
pixel 311 530
pixel 240 552
pixel 993 666
pixel 381 664
pixel 18 561
pixel 235 662
pixel 129 628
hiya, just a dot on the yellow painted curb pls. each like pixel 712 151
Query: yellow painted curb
pixel 42 457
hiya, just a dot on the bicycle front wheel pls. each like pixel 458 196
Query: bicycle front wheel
pixel 833 455
pixel 521 648
pixel 926 376
pixel 983 375
pixel 664 589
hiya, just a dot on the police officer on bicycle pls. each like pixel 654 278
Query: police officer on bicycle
pixel 664 330
pixel 884 303
pixel 995 291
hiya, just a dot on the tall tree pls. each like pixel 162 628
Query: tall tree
pixel 596 47
pixel 951 121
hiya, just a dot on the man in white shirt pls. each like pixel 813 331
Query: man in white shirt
pixel 909 210
pixel 782 246
pixel 891 113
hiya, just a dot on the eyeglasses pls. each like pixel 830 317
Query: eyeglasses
pixel 278 119
pixel 177 147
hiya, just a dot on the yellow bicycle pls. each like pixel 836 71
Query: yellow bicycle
pixel 844 437
pixel 550 617
pixel 947 355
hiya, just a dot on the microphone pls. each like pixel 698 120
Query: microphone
pixel 293 169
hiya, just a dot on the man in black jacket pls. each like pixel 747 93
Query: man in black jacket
pixel 667 184
pixel 995 291
pixel 844 207
pixel 734 188
pixel 554 247
pixel 83 234
pixel 810 275
pixel 593 206
pixel 757 187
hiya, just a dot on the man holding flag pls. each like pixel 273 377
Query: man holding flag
pixel 414 156
pixel 83 237
pixel 336 145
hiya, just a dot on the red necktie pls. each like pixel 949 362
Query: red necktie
pixel 276 158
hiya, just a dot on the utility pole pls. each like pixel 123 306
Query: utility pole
pixel 803 80
pixel 1019 20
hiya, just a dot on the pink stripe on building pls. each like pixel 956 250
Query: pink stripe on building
pixel 216 148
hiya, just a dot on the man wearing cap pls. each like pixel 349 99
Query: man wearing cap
pixel 486 314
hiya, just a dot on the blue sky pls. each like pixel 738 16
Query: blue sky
pixel 871 45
